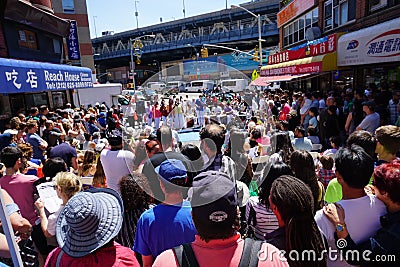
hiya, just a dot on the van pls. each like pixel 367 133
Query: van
pixel 200 86
pixel 157 86
pixel 174 87
pixel 234 85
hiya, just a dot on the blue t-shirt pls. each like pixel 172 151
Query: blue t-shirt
pixel 34 140
pixel 302 144
pixel 200 105
pixel 164 227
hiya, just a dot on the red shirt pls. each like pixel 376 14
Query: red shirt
pixel 220 252
pixel 156 112
pixel 114 256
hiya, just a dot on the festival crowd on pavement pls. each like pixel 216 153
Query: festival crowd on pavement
pixel 276 178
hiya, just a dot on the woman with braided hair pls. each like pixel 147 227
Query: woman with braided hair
pixel 292 202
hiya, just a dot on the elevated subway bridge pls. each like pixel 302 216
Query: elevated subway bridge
pixel 233 28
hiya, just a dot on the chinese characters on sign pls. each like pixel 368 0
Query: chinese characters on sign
pixel 376 44
pixel 72 42
pixel 317 49
pixel 18 76
pixel 314 67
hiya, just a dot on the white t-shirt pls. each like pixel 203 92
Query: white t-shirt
pixel 52 221
pixel 116 164
pixel 217 110
pixel 362 218
pixel 306 106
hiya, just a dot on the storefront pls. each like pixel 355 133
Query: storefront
pixel 24 84
pixel 312 64
pixel 371 54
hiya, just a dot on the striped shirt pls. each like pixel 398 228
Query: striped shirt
pixel 266 219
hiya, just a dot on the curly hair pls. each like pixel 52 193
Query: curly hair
pixel 135 192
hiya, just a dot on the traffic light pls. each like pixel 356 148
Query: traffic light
pixel 204 52
pixel 255 55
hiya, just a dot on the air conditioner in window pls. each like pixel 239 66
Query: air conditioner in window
pixel 313 33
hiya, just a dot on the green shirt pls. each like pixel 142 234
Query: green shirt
pixel 333 191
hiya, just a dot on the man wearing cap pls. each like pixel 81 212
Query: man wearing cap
pixel 216 217
pixel 168 224
pixel 85 231
pixel 67 152
pixel 116 162
pixel 372 119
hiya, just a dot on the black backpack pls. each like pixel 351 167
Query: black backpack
pixel 186 258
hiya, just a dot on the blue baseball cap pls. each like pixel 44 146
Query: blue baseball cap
pixel 171 169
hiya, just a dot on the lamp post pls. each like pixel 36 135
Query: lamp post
pixel 131 42
pixel 259 31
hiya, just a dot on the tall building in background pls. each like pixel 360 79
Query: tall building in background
pixel 76 10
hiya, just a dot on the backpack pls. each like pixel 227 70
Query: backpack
pixel 186 258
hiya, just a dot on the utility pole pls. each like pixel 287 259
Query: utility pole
pixel 184 11
pixel 136 14
pixel 94 22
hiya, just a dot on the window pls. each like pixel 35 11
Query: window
pixel 68 6
pixel 295 31
pixel 338 13
pixel 377 4
pixel 56 46
pixel 27 39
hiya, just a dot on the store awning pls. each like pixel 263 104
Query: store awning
pixel 306 65
pixel 18 76
pixel 261 81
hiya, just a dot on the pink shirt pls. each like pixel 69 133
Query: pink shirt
pixel 20 188
pixel 115 255
pixel 222 253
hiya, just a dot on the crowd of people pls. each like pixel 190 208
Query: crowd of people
pixel 273 175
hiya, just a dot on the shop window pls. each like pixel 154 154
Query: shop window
pixel 338 13
pixel 27 39
pixel 68 6
pixel 36 100
pixel 59 99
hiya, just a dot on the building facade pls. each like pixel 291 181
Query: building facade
pixel 326 43
pixel 32 72
pixel 76 10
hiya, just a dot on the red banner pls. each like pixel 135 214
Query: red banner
pixel 314 67
pixel 322 48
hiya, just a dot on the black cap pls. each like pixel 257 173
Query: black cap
pixel 214 199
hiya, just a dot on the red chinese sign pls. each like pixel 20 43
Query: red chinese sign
pixel 314 67
pixel 292 10
pixel 322 48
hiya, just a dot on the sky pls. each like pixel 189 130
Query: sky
pixel 119 15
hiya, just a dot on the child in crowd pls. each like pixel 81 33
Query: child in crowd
pixel 326 173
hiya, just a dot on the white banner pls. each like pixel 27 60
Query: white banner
pixel 376 44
